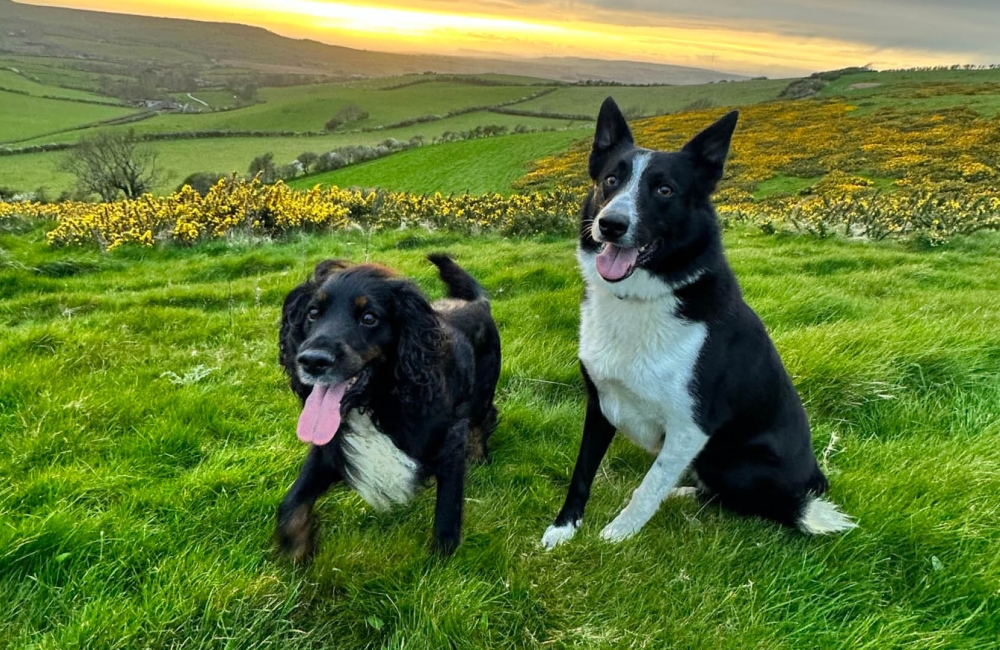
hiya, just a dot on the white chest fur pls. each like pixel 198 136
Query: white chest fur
pixel 377 469
pixel 639 354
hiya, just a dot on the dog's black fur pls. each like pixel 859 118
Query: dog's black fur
pixel 758 459
pixel 426 377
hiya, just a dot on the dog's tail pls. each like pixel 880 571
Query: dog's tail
pixel 461 285
pixel 820 517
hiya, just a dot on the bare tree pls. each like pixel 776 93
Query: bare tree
pixel 113 163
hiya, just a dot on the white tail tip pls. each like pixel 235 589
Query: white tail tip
pixel 821 517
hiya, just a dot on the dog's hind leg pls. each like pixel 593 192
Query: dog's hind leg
pixel 478 448
pixel 681 445
pixel 297 526
pixel 450 474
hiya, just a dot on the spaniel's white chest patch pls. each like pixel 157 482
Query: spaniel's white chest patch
pixel 382 473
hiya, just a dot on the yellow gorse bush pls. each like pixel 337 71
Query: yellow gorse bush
pixel 938 172
pixel 874 175
pixel 235 205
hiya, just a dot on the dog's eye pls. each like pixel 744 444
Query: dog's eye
pixel 369 319
pixel 313 314
pixel 665 190
pixel 611 181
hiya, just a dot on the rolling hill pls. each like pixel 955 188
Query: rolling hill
pixel 126 39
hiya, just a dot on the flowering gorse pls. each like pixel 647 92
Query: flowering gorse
pixel 937 173
pixel 235 205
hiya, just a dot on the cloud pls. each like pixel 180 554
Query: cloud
pixel 949 26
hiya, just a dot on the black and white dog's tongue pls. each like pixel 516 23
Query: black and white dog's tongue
pixel 615 262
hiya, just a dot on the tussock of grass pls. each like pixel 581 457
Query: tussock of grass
pixel 137 510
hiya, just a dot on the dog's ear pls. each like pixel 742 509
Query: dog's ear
pixel 612 132
pixel 420 346
pixel 326 268
pixel 292 332
pixel 709 148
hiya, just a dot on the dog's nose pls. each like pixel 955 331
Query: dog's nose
pixel 315 362
pixel 612 226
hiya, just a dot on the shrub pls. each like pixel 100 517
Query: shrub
pixel 346 115
pixel 308 159
pixel 201 182
pixel 263 167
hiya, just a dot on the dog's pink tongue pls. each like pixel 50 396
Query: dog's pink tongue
pixel 320 417
pixel 615 262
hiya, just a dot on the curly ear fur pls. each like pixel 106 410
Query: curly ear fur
pixel 293 319
pixel 419 367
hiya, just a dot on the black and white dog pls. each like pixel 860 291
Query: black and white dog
pixel 394 390
pixel 671 354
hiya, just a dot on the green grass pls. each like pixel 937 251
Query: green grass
pixel 137 512
pixel 783 185
pixel 59 72
pixel 307 108
pixel 474 166
pixel 216 99
pixel 654 100
pixel 22 117
pixel 179 158
pixel 930 90
pixel 12 81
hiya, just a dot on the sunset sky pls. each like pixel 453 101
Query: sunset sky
pixel 772 37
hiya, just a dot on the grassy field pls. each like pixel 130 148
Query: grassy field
pixel 474 166
pixel 307 108
pixel 147 434
pixel 922 90
pixel 11 80
pixel 655 100
pixel 22 116
pixel 182 157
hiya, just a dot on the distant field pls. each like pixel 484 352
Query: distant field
pixel 216 99
pixel 183 157
pixel 655 100
pixel 55 71
pixel 307 108
pixel 13 81
pixel 22 116
pixel 931 90
pixel 474 166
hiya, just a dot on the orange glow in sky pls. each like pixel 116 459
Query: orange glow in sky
pixel 533 30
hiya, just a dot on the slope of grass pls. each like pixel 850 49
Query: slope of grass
pixel 307 108
pixel 22 116
pixel 138 505
pixel 13 81
pixel 179 158
pixel 474 166
pixel 55 71
pixel 654 100
pixel 928 90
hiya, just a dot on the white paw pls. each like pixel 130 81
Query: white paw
pixel 682 492
pixel 620 529
pixel 556 535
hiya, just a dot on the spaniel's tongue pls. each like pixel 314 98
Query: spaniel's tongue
pixel 320 417
pixel 615 262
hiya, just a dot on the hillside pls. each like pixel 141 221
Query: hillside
pixel 120 39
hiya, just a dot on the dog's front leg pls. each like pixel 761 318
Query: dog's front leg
pixel 296 531
pixel 597 436
pixel 450 474
pixel 681 445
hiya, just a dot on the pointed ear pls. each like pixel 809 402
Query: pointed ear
pixel 710 147
pixel 612 132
